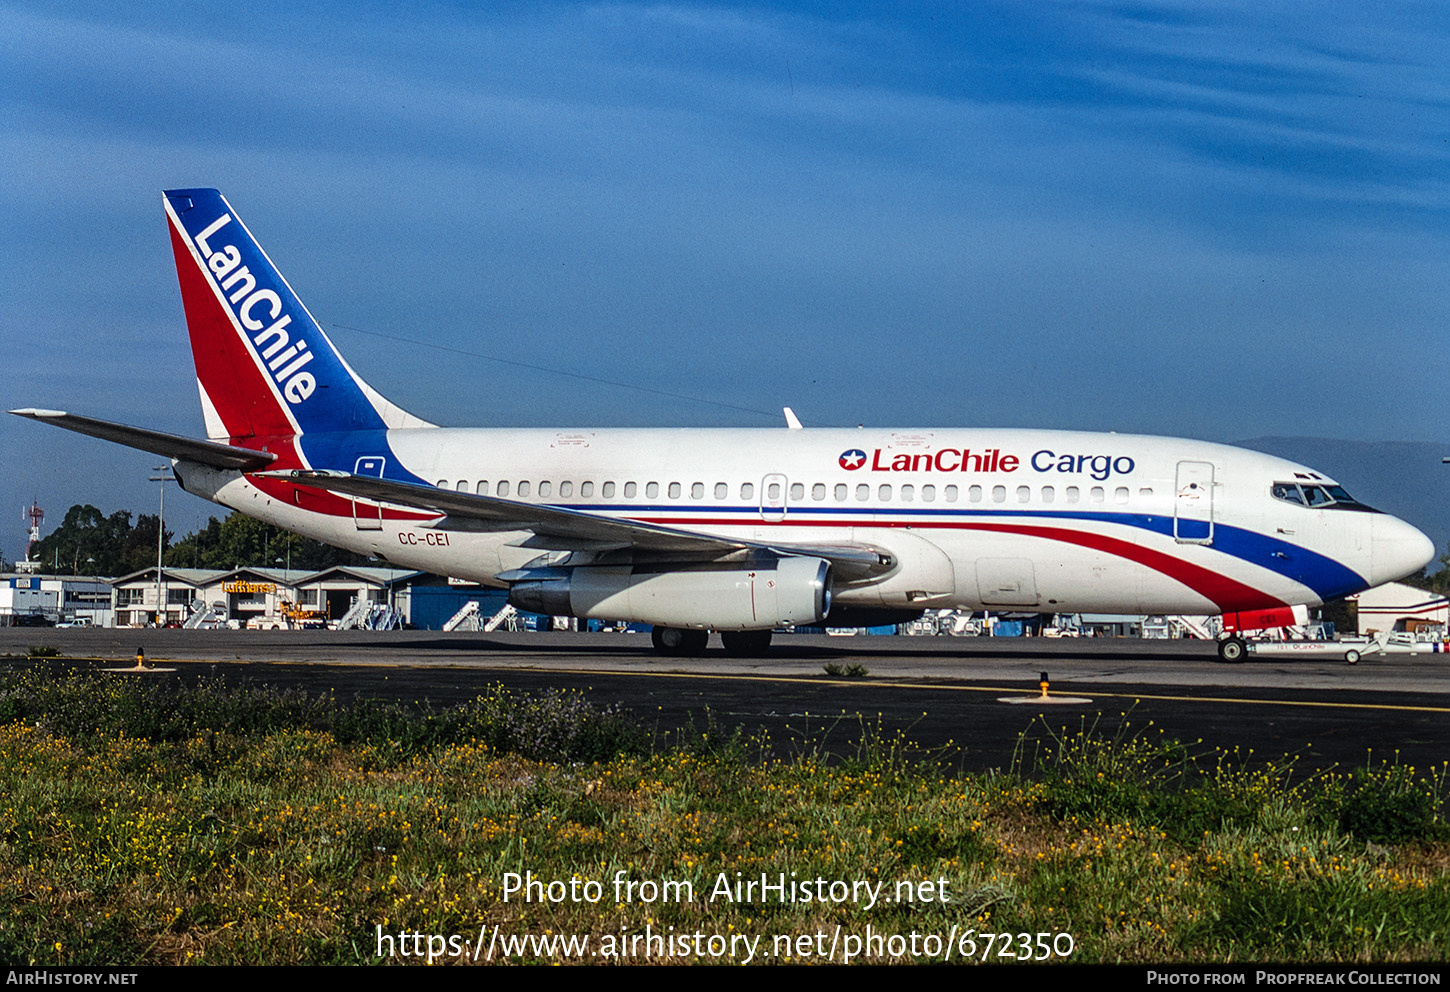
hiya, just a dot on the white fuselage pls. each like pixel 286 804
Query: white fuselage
pixel 1051 521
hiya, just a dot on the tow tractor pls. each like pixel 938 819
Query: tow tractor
pixel 1351 650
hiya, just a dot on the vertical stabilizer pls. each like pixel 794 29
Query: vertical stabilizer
pixel 263 365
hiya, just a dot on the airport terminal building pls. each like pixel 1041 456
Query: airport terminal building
pixel 239 597
pixel 254 596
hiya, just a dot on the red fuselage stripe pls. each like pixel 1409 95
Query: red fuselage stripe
pixel 1229 595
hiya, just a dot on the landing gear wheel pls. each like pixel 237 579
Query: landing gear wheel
pixel 745 643
pixel 1352 656
pixel 679 643
pixel 1232 650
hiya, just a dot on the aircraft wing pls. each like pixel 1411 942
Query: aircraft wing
pixel 157 442
pixel 557 528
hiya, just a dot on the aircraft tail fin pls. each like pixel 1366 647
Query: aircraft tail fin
pixel 263 365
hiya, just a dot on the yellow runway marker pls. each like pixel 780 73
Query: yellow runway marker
pixel 806 679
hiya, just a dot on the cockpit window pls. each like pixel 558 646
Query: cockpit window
pixel 1287 491
pixel 1315 496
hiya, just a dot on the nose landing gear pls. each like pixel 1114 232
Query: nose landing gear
pixel 1232 650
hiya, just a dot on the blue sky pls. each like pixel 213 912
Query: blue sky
pixel 1217 221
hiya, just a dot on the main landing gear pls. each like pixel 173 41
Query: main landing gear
pixel 677 642
pixel 745 643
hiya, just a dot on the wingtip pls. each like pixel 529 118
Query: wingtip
pixel 35 412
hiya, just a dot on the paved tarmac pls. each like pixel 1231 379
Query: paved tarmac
pixel 942 692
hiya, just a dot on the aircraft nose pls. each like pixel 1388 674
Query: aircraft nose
pixel 1397 549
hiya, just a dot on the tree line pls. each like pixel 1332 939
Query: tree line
pixel 89 542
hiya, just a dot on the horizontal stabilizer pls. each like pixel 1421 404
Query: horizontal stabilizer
pixel 156 442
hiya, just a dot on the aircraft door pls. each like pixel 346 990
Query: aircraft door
pixel 366 515
pixel 773 495
pixel 1193 503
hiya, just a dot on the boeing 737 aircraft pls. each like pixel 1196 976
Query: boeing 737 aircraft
pixel 735 530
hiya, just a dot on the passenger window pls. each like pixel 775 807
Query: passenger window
pixel 842 491
pixel 442 483
pixel 863 493
pixel 1048 494
pixel 674 490
pixel 747 491
pixel 1096 494
pixel 884 494
pixel 566 489
pixel 797 492
pixel 462 486
pixel 975 494
pixel 1120 495
pixel 773 491
pixel 999 494
pixel 908 493
pixel 1145 492
pixel 630 488
pixel 1024 494
pixel 545 489
pixel 1071 492
pixel 651 490
pixel 524 489
pixel 482 489
pixel 950 494
pixel 928 494
pixel 586 489
pixel 722 491
pixel 818 491
pixel 503 488
pixel 607 491
pixel 697 490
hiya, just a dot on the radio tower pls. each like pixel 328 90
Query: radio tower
pixel 34 516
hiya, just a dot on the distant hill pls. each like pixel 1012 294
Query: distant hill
pixel 1405 478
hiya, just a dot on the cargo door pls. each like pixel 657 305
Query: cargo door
pixel 1006 582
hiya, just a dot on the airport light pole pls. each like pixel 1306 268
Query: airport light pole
pixel 160 535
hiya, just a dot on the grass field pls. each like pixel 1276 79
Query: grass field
pixel 244 825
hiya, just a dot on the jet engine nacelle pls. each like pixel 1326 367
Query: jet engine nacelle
pixel 709 596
